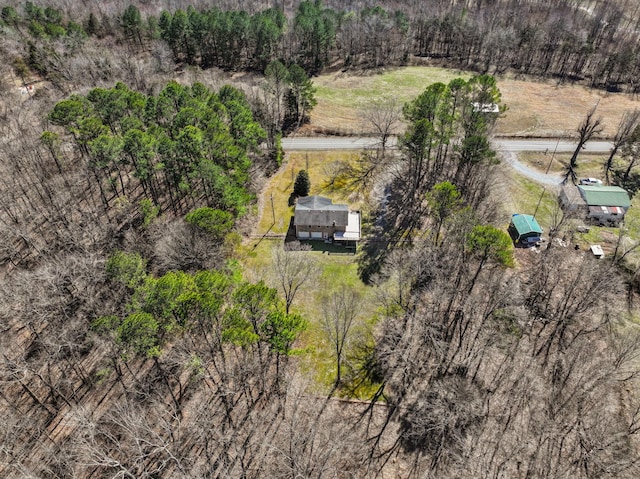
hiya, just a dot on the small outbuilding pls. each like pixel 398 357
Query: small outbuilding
pixel 524 230
pixel 597 251
pixel 605 205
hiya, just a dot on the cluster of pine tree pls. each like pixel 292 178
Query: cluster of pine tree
pixel 179 149
pixel 230 40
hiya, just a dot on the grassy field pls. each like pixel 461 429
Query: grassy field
pixel 536 108
pixel 341 95
pixel 349 89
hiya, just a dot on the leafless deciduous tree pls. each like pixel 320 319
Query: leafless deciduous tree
pixel 128 442
pixel 274 90
pixel 538 366
pixel 293 268
pixel 340 310
pixel 357 175
pixel 630 152
pixel 382 117
pixel 628 123
pixel 180 246
pixel 590 126
pixel 310 442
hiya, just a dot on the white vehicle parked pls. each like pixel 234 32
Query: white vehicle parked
pixel 591 181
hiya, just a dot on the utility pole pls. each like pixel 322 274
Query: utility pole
pixel 273 211
pixel 546 173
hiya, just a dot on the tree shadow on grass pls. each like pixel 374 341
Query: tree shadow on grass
pixel 330 248
pixel 263 236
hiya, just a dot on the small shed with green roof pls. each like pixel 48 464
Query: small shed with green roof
pixel 524 230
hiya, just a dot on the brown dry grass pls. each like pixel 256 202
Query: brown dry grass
pixel 535 108
pixel 549 110
pixel 589 164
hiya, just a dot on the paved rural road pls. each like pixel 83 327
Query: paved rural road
pixel 508 147
pixel 501 144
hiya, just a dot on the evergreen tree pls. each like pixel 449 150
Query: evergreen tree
pixel 266 30
pixel 300 96
pixel 184 148
pixel 131 23
pixel 315 28
pixel 302 184
pixel 10 16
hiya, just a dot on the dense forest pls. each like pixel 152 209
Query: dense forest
pixel 136 139
pixel 590 41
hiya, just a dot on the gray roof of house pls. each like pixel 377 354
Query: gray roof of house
pixel 320 211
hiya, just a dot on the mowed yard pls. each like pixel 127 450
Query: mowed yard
pixel 280 186
pixel 338 269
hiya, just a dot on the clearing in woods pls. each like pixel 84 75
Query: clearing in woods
pixel 535 109
pixel 540 108
pixel 338 269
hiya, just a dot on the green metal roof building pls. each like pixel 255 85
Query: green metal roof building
pixel 524 230
pixel 605 196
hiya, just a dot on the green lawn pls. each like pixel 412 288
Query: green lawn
pixel 281 185
pixel 336 272
pixel 402 83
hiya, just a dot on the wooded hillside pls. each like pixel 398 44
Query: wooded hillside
pixel 572 40
pixel 136 343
